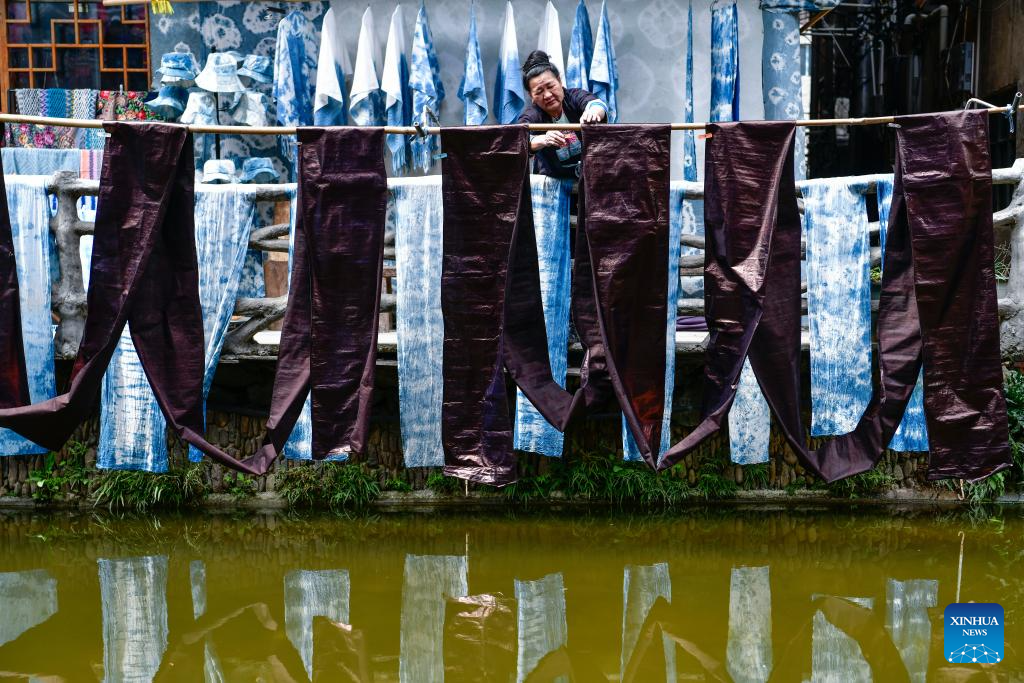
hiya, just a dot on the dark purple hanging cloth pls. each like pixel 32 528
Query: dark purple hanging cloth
pixel 329 337
pixel 490 290
pixel 13 376
pixel 938 295
pixel 144 273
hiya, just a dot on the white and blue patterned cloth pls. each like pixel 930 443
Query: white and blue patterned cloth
pixel 912 434
pixel 132 427
pixel 40 161
pixel 797 5
pixel 550 39
pixel 366 103
pixel 748 650
pixel 509 97
pixel 725 63
pixel 417 212
pixel 330 104
pixel 581 49
pixel 29 208
pixel 397 93
pixel 427 91
pixel 781 76
pixel 689 137
pixel 642 586
pixel 309 594
pixel 604 73
pixel 428 581
pixel 472 91
pixel 133 596
pixel 294 76
pixel 838 302
pixel 550 197
pixel 676 219
pixel 541 625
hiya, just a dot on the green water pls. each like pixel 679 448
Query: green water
pixel 712 594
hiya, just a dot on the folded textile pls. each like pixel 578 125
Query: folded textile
pixel 397 93
pixel 330 103
pixel 472 91
pixel 581 49
pixel 427 91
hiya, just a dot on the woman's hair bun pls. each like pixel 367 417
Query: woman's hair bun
pixel 536 59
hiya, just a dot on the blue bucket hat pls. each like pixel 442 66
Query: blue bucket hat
pixel 258 68
pixel 169 102
pixel 258 170
pixel 220 74
pixel 219 171
pixel 176 67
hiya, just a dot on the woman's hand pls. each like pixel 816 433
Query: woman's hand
pixel 593 113
pixel 552 138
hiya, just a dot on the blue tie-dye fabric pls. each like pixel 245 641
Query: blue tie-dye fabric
pixel 398 99
pixel 40 161
pixel 294 77
pixel 797 5
pixel 780 76
pixel 689 138
pixel 427 91
pixel 676 218
pixel 29 208
pixel 838 302
pixel 471 90
pixel 550 197
pixel 725 63
pixel 509 97
pixel 604 74
pixel 416 206
pixel 581 50
pixel 541 625
pixel 132 428
pixel 912 434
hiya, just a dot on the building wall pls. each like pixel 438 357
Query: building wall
pixel 1002 51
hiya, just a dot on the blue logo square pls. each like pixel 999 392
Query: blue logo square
pixel 973 633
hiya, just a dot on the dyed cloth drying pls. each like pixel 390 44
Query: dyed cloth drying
pixel 24 246
pixel 748 650
pixel 618 299
pixel 509 97
pixel 330 103
pixel 126 105
pixel 334 295
pixel 725 63
pixel 541 625
pixel 397 94
pixel 428 581
pixel 427 91
pixel 145 276
pixel 931 306
pixel 641 587
pixel 366 106
pixel 35 161
pixel 309 594
pixel 472 91
pixel 604 72
pixel 581 49
pixel 133 593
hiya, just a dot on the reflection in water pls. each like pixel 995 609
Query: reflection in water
pixel 479 638
pixel 641 586
pixel 748 655
pixel 309 594
pixel 540 621
pixel 134 597
pixel 907 621
pixel 835 656
pixel 27 599
pixel 427 582
pixel 212 671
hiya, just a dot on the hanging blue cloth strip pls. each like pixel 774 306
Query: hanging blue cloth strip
pixel 689 138
pixel 509 97
pixel 797 5
pixel 676 218
pixel 604 73
pixel 427 91
pixel 581 50
pixel 29 209
pixel 471 90
pixel 132 428
pixel 397 94
pixel 550 197
pixel 838 302
pixel 725 63
pixel 912 434
pixel 780 76
pixel 416 205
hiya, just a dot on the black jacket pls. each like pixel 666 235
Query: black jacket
pixel 545 162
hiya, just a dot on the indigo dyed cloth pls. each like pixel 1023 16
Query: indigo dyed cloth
pixel 797 5
pixel 581 50
pixel 309 594
pixel 29 598
pixel 689 137
pixel 133 595
pixel 330 103
pixel 725 63
pixel 780 75
pixel 416 207
pixel 397 94
pixel 838 302
pixel 427 582
pixel 908 622
pixel 550 39
pixel 836 656
pixel 294 77
pixel 29 209
pixel 427 91
pixel 132 427
pixel 676 219
pixel 550 198
pixel 509 97
pixel 642 586
pixel 604 74
pixel 472 91
pixel 541 626
pixel 912 434
pixel 365 104
pixel 39 161
pixel 748 652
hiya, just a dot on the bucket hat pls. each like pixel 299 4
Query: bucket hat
pixel 169 103
pixel 178 68
pixel 201 109
pixel 252 109
pixel 258 68
pixel 258 170
pixel 219 171
pixel 220 74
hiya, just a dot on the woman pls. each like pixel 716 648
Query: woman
pixel 557 152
